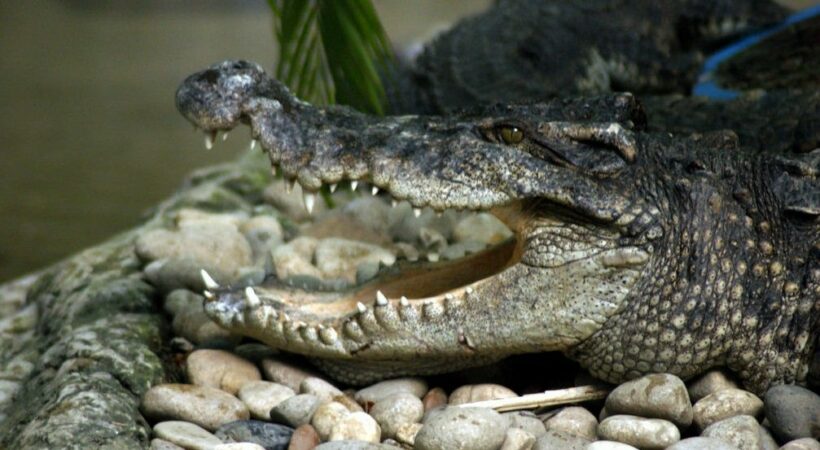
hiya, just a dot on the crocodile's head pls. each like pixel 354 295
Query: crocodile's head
pixel 590 201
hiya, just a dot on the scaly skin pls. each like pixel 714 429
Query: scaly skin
pixel 635 252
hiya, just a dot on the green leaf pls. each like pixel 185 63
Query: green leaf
pixel 333 51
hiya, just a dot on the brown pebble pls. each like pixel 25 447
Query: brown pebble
pixel 434 398
pixel 304 438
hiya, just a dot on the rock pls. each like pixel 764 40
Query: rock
pixel 356 426
pixel 371 394
pixel 527 421
pixel 205 406
pixel 434 398
pixel 724 404
pixel 396 410
pixel 742 432
pixel 170 274
pixel 479 392
pixel 702 443
pixel 220 369
pixel 180 300
pixel 709 383
pixel 304 438
pixel 326 417
pixel 348 402
pixel 481 227
pixel 353 445
pixel 162 444
pixel 461 249
pixel 793 412
pixel 609 445
pixel 294 258
pixel 406 433
pixel 639 432
pixel 268 435
pixel 517 439
pixel 295 411
pixel 574 420
pixel 558 440
pixel 801 444
pixel 404 226
pixel 214 246
pixel 660 396
pixel 263 233
pixel 261 396
pixel 190 216
pixel 194 325
pixel 239 446
pixel 286 373
pixel 186 435
pixel 339 258
pixel 463 428
pixel 364 220
pixel 320 388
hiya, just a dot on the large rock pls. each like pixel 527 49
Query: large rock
pixel 463 428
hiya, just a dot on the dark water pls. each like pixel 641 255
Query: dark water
pixel 89 137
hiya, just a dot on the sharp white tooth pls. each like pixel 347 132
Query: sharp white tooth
pixel 210 136
pixel 360 306
pixel 403 301
pixel 309 199
pixel 374 190
pixel 354 185
pixel 394 203
pixel 285 317
pixel 449 296
pixel 469 290
pixel 208 280
pixel 333 188
pixel 417 212
pixel 381 300
pixel 253 299
pixel 208 294
pixel 225 136
pixel 253 144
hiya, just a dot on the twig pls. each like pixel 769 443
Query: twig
pixel 546 398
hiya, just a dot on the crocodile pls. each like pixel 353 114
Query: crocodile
pixel 635 250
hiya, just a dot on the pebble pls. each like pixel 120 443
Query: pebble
pixel 295 411
pixel 481 227
pixel 709 383
pixel 205 406
pixel 479 392
pixel 170 274
pixel 338 258
pixel 463 428
pixel 793 412
pixel 217 247
pixel 194 325
pixel 220 369
pixel 239 446
pixel 801 444
pixel 180 300
pixel 304 438
pixel 659 396
pixel 162 444
pixel 574 420
pixel 526 421
pixel 639 432
pixel 294 258
pixel 348 401
pixel 741 431
pixel 702 443
pixel 396 410
pixel 268 435
pixel 356 426
pixel 558 440
pixel 263 233
pixel 186 435
pixel 285 372
pixel 382 389
pixel 434 398
pixel 724 404
pixel 517 439
pixel 406 434
pixel 353 445
pixel 609 445
pixel 326 417
pixel 363 220
pixel 320 388
pixel 191 216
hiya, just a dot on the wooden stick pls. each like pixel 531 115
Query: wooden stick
pixel 546 398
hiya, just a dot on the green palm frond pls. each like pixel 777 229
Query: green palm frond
pixel 332 51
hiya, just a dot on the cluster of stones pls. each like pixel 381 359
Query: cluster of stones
pixel 274 403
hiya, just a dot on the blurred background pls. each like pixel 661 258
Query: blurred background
pixel 89 135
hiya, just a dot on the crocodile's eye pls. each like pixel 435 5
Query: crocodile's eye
pixel 511 135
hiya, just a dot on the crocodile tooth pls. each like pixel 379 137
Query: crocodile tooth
pixel 468 291
pixel 210 283
pixel 208 294
pixel 225 136
pixel 333 188
pixel 404 302
pixel 353 185
pixel 250 295
pixel 253 144
pixel 417 212
pixel 352 329
pixel 381 300
pixel 374 190
pixel 433 257
pixel 394 203
pixel 309 200
pixel 210 137
pixel 360 306
pixel 328 335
